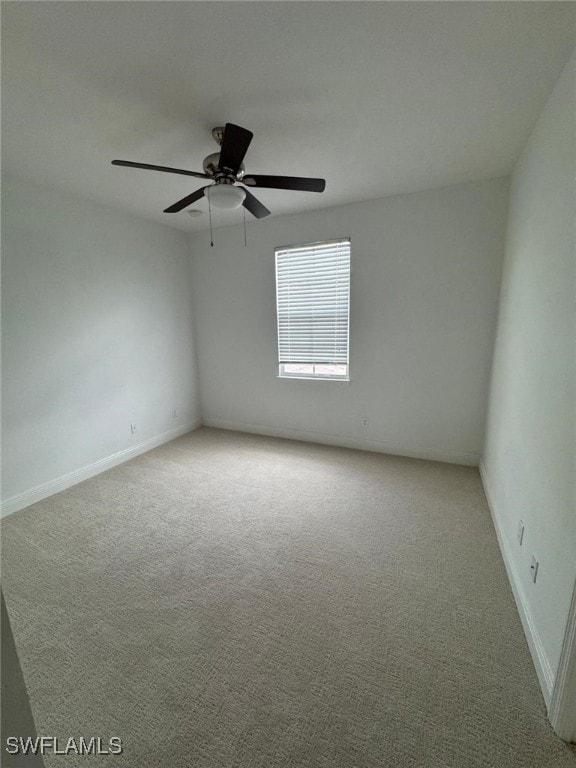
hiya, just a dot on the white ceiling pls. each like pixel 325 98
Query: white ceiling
pixel 376 97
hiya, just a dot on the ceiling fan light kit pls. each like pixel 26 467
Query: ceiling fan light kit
pixel 225 196
pixel 225 169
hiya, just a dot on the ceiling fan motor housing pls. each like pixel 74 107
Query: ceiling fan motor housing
pixel 211 166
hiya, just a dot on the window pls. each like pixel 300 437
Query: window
pixel 313 300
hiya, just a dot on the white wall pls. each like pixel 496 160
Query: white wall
pixel 529 456
pixel 425 278
pixel 97 334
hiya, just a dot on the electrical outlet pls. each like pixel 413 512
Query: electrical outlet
pixel 534 568
pixel 520 533
pixel 364 421
pixel 132 429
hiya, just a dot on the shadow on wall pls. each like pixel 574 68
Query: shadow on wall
pixel 17 717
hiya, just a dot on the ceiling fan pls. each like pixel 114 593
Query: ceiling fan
pixel 226 169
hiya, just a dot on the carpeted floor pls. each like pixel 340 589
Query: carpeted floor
pixel 235 601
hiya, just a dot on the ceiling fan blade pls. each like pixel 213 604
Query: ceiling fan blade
pixel 186 201
pixel 254 205
pixel 163 168
pixel 235 143
pixel 286 182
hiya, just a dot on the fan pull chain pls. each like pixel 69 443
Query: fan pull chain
pixel 244 212
pixel 210 217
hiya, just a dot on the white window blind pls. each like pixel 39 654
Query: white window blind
pixel 313 300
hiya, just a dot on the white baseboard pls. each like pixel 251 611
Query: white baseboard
pixel 84 473
pixel 562 710
pixel 346 441
pixel 539 656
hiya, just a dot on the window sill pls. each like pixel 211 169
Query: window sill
pixel 314 378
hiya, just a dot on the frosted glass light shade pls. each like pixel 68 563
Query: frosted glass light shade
pixel 225 196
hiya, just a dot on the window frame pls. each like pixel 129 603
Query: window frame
pixel 280 373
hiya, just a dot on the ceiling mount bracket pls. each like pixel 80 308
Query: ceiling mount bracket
pixel 218 134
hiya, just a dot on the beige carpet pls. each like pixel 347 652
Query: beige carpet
pixel 233 601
